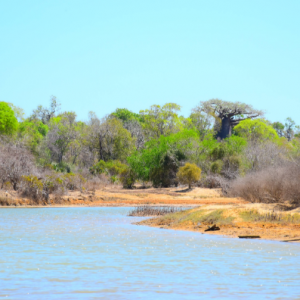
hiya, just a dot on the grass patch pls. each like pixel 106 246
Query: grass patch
pixel 272 217
pixel 195 217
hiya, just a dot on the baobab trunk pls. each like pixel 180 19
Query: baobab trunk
pixel 225 130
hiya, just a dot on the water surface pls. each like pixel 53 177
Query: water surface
pixel 96 253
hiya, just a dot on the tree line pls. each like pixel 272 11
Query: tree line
pixel 225 140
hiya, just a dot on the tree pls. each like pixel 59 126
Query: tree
pixel 125 115
pixel 46 114
pixel 289 126
pixel 279 127
pixel 109 139
pixel 201 121
pixel 63 131
pixel 227 114
pixel 32 133
pixel 256 130
pixel 15 162
pixel 8 121
pixel 189 174
pixel 158 120
pixel 159 160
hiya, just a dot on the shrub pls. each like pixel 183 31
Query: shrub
pixel 15 162
pixel 189 174
pixel 111 167
pixel 32 187
pixel 216 167
pixel 272 185
pixel 127 177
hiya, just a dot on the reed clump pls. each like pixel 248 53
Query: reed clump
pixel 147 211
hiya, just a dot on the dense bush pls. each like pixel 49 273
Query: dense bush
pixel 15 162
pixel 273 185
pixel 127 177
pixel 189 174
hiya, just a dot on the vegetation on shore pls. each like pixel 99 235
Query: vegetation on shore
pixel 229 144
pixel 146 211
pixel 241 220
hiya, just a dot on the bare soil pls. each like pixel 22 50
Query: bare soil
pixel 117 196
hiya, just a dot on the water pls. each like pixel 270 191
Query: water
pixel 96 253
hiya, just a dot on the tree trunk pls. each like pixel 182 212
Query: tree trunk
pixel 225 130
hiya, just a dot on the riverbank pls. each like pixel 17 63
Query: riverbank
pixel 115 196
pixel 264 221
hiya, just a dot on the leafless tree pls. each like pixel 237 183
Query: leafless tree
pixel 136 130
pixel 61 135
pixel 45 114
pixel 15 162
pixel 260 156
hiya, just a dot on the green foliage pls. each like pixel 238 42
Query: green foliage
pixel 279 127
pixel 32 187
pixel 256 130
pixel 159 160
pixel 111 167
pixel 164 120
pixel 125 115
pixel 216 166
pixel 62 167
pixel 8 121
pixel 32 132
pixel 127 177
pixel 188 174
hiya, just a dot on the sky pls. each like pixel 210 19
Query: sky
pixel 102 55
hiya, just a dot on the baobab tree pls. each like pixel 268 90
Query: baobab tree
pixel 228 114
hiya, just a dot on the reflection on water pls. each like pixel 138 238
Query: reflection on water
pixel 95 253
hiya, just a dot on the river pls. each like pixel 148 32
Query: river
pixel 96 253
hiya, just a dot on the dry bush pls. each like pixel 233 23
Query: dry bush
pixel 97 182
pixel 259 156
pixel 6 201
pixel 15 162
pixel 146 211
pixel 214 181
pixel 273 185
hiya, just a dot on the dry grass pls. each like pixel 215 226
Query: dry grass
pixel 270 217
pixel 198 216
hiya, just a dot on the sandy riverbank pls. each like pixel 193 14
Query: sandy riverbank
pixel 265 221
pixel 116 196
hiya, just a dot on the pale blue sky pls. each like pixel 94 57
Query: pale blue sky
pixel 100 55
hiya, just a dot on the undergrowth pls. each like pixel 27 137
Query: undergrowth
pixel 271 217
pixel 196 217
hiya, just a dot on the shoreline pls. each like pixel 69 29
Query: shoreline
pixel 230 224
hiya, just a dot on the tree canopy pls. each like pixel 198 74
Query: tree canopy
pixel 228 114
pixel 8 120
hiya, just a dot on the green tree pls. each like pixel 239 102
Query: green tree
pixel 109 139
pixel 279 127
pixel 125 115
pixel 158 120
pixel 256 130
pixel 8 120
pixel 63 130
pixel 189 174
pixel 159 160
pixel 32 133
